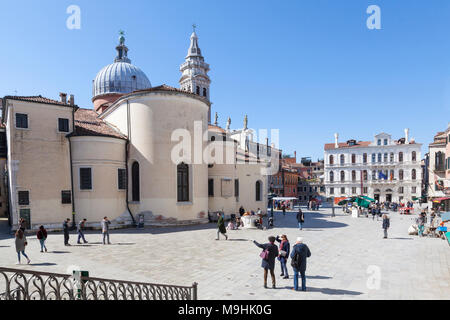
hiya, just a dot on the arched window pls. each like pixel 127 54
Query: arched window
pixel 198 90
pixel 353 158
pixel 353 175
pixel 258 188
pixel 135 186
pixel 413 156
pixel 391 157
pixel 365 158
pixel 213 138
pixel 331 159
pixel 379 157
pixel 400 174
pixel 385 157
pixel 331 176
pixel 413 174
pixel 342 159
pixel 400 157
pixel 183 182
pixel 204 92
pixel 365 177
pixel 373 157
pixel 342 176
pixel 374 174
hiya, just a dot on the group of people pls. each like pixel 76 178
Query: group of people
pixel 21 239
pixel 300 253
pixel 313 205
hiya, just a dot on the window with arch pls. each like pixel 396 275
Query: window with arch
pixel 365 158
pixel 413 174
pixel 385 157
pixel 258 190
pixel 413 156
pixel 400 174
pixel 331 176
pixel 331 159
pixel 379 142
pixel 353 175
pixel 197 90
pixel 204 92
pixel 391 157
pixel 374 174
pixel 400 157
pixel 342 159
pixel 365 176
pixel 342 176
pixel 183 182
pixel 353 158
pixel 135 182
pixel 379 157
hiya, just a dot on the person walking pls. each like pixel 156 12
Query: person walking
pixel 241 211
pixel 105 229
pixel 300 219
pixel 300 252
pixel 283 255
pixel 42 236
pixel 284 209
pixel 22 224
pixel 66 232
pixel 21 242
pixel 386 224
pixel 221 226
pixel 421 224
pixel 270 252
pixel 80 228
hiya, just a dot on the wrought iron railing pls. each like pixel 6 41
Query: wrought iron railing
pixel 16 284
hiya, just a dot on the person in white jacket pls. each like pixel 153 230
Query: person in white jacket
pixel 105 229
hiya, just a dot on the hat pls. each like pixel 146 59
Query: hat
pixel 299 240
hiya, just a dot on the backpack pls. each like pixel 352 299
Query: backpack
pixel 294 261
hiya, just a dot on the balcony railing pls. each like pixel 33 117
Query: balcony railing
pixel 18 284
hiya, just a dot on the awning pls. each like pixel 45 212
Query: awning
pixel 437 200
pixel 284 198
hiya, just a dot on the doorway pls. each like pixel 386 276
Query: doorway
pixel 389 198
pixel 376 197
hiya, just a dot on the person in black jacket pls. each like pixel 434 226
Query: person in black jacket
pixel 42 236
pixel 386 225
pixel 283 256
pixel 269 263
pixel 300 218
pixel 300 252
pixel 66 232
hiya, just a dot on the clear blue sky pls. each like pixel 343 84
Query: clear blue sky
pixel 308 67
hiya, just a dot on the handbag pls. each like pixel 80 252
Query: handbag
pixel 283 253
pixel 264 255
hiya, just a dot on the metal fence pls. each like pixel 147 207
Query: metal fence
pixel 16 284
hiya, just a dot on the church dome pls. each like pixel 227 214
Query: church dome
pixel 120 77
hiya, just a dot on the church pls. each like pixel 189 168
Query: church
pixel 140 152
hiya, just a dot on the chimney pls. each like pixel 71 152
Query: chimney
pixel 72 100
pixel 406 136
pixel 63 97
pixel 295 156
pixel 336 144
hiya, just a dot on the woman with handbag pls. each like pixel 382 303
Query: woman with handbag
pixel 21 242
pixel 268 255
pixel 283 254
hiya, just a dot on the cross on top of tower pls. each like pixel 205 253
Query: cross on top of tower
pixel 194 26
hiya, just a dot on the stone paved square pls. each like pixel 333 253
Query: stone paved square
pixel 343 249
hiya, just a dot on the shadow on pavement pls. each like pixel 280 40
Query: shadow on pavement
pixel 43 264
pixel 330 291
pixel 59 252
pixel 401 238
pixel 318 277
pixel 313 220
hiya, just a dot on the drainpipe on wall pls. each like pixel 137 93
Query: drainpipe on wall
pixel 71 170
pixel 126 159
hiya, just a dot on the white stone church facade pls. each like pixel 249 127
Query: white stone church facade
pixel 383 169
pixel 118 159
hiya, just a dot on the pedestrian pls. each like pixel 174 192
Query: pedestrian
pixel 374 213
pixel 421 224
pixel 241 211
pixel 22 224
pixel 105 229
pixel 221 226
pixel 80 228
pixel 66 232
pixel 284 209
pixel 300 219
pixel 21 243
pixel 300 253
pixel 283 255
pixel 271 211
pixel 270 252
pixel 386 224
pixel 42 236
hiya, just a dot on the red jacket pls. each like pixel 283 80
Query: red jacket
pixel 41 234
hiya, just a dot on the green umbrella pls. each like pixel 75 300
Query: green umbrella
pixel 362 202
pixel 367 198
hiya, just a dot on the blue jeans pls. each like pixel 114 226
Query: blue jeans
pixel 81 236
pixel 283 267
pixel 300 226
pixel 23 252
pixel 42 242
pixel 302 274
pixel 421 228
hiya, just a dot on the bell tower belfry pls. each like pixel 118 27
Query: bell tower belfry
pixel 194 71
